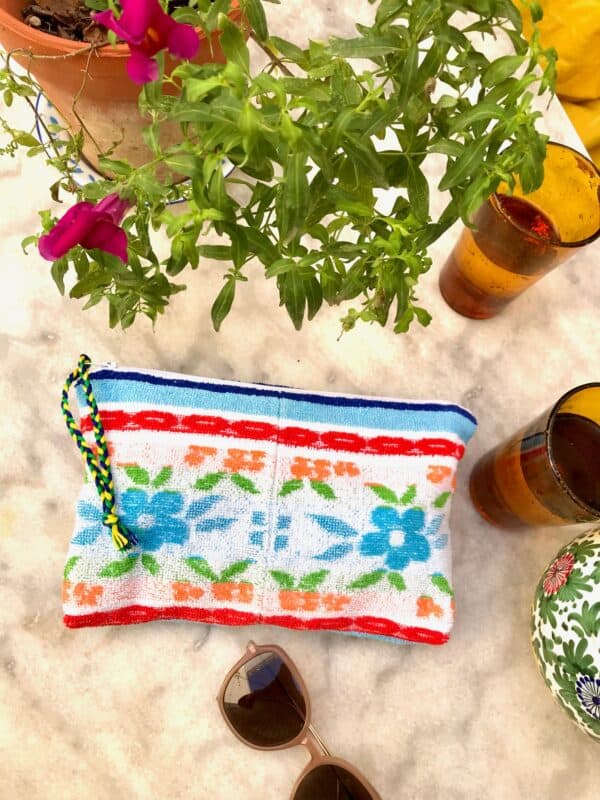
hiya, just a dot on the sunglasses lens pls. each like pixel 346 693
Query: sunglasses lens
pixel 263 703
pixel 331 782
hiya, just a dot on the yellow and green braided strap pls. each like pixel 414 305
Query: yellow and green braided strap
pixel 98 461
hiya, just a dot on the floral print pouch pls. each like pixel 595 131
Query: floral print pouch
pixel 262 504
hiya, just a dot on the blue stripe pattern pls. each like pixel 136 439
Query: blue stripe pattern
pixel 121 387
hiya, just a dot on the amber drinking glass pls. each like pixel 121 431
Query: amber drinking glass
pixel 549 472
pixel 518 239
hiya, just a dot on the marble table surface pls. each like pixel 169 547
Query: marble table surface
pixel 130 712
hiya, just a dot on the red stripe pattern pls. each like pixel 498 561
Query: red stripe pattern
pixel 291 436
pixel 224 616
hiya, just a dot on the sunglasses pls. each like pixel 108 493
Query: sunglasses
pixel 266 705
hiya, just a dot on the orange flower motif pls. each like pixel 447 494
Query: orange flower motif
pixel 186 591
pixel 238 460
pixel 317 470
pixel 236 592
pixel 197 455
pixel 427 608
pixel 66 591
pixel 346 468
pixel 87 595
pixel 437 473
pixel 334 602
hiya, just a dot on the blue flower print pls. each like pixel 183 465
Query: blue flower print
pixel 92 514
pixel 398 537
pixel 152 518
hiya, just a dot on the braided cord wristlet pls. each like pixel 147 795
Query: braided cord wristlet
pixel 98 461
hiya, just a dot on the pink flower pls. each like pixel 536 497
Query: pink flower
pixel 145 27
pixel 90 226
pixel 557 574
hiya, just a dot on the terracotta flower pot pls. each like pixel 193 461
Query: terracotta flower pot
pixel 108 103
pixel 240 592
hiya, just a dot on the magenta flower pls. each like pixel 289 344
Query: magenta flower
pixel 91 226
pixel 145 27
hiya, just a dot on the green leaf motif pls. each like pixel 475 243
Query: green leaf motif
pixel 201 567
pixel 150 564
pixel 164 476
pixel 396 580
pixel 368 579
pixel 209 481
pixel 442 584
pixel 441 501
pixel 574 587
pixel 323 489
pixel 138 475
pixel 383 492
pixel 117 568
pixel 234 569
pixel 283 579
pixel 409 495
pixel 290 486
pixel 243 483
pixel 311 581
pixel 69 566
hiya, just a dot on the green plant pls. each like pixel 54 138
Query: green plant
pixel 305 134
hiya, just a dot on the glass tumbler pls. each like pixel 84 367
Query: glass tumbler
pixel 549 472
pixel 518 239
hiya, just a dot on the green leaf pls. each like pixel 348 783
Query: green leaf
pixel 233 43
pixel 164 476
pixel 442 584
pixel 69 566
pixel 201 567
pixel 409 495
pixel 218 252
pixel 295 197
pixel 368 579
pixel 323 489
pixel 209 481
pixel 26 139
pixel 442 499
pixel 197 88
pixel 500 69
pixel 465 166
pixel 117 568
pixel 396 580
pixel 371 46
pixel 290 51
pixel 290 486
pixel 58 270
pixel 244 483
pixel 223 302
pixel 293 295
pixel 150 564
pixel 138 475
pixel 386 494
pixel 32 239
pixel 309 583
pixel 418 191
pixel 478 113
pixel 283 579
pixel 256 17
pixel 234 569
pixel 185 164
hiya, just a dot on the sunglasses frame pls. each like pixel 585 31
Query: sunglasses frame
pixel 307 737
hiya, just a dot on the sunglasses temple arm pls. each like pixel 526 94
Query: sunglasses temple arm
pixel 319 741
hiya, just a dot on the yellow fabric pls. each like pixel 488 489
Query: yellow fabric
pixel 573 28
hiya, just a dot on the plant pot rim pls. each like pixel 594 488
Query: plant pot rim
pixel 47 41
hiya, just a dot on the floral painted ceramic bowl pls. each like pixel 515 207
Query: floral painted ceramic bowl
pixel 566 630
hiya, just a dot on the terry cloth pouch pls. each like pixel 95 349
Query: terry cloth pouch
pixel 236 504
